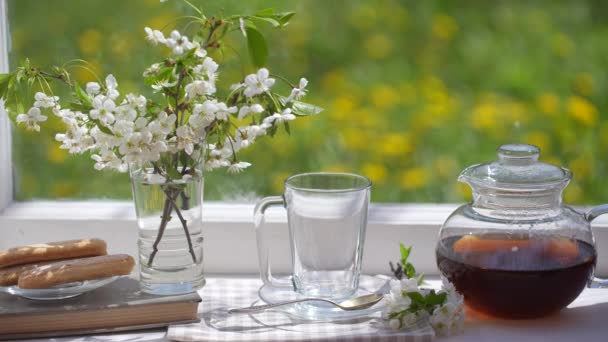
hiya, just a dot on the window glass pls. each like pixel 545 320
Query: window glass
pixel 413 91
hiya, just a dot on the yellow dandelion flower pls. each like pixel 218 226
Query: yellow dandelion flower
pixel 562 45
pixel 583 83
pixel 90 41
pixel 414 178
pixel 444 27
pixel 342 107
pixel 484 116
pixel 540 139
pixel 581 110
pixel 374 171
pixel 548 103
pixel 394 144
pixel 55 154
pixel 384 96
pixel 378 46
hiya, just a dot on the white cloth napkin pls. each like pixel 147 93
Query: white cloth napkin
pixel 222 293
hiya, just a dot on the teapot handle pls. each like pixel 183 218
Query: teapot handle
pixel 590 216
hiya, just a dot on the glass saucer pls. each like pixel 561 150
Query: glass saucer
pixel 62 291
pixel 318 311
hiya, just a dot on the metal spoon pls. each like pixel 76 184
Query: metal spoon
pixel 358 303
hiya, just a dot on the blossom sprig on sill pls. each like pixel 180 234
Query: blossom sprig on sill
pixel 185 115
pixel 408 302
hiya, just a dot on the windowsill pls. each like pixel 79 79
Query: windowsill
pixel 230 238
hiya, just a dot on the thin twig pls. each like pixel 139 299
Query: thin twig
pixel 165 218
pixel 184 223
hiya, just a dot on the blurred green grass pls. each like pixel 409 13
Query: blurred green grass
pixel 414 91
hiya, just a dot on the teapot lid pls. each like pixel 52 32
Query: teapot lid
pixel 517 168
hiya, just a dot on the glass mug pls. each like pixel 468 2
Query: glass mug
pixel 327 217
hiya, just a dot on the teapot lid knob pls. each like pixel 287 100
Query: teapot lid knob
pixel 518 154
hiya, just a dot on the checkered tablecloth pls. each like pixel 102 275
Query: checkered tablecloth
pixel 221 294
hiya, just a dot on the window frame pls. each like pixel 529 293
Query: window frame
pixel 230 238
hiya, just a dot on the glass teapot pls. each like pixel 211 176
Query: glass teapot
pixel 516 251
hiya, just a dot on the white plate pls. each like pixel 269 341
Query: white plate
pixel 323 311
pixel 62 291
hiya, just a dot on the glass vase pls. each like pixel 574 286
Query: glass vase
pixel 169 216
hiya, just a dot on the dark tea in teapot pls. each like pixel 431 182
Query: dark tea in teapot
pixel 516 277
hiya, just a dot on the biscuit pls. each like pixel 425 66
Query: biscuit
pixel 9 276
pixel 68 271
pixel 52 251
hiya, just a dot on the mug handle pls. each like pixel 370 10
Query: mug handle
pixel 590 216
pixel 263 245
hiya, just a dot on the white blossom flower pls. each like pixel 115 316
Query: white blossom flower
pixel 258 83
pixel 246 110
pixel 155 36
pixel 138 101
pixel 238 167
pixel 93 88
pixel 166 122
pixel 210 67
pixel 447 319
pixel 277 118
pixel 103 110
pixel 185 138
pixel 199 87
pixel 45 101
pixel 179 43
pixel 108 159
pixel 163 84
pixel 199 52
pixel 112 86
pixel 297 93
pixel 152 70
pixel 236 86
pixel 223 111
pixel 31 119
pixel 123 128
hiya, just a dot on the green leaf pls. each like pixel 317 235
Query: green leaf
pixel 5 80
pixel 416 297
pixel 405 253
pixel 258 49
pixel 286 124
pixel 84 98
pixel 103 128
pixel 433 299
pixel 301 108
pixel 173 174
pixel 271 21
pixel 266 12
pixel 284 18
